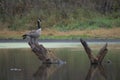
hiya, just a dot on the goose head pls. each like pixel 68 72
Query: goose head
pixel 39 20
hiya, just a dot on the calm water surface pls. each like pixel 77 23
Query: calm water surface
pixel 22 64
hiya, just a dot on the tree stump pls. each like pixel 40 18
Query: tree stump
pixel 99 58
pixel 46 56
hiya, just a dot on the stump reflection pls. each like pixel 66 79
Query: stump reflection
pixel 41 73
pixel 45 71
pixel 93 70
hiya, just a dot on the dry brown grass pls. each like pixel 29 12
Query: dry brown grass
pixel 103 33
pixel 98 33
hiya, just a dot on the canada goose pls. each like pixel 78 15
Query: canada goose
pixel 34 34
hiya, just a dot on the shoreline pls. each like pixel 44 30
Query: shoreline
pixel 61 40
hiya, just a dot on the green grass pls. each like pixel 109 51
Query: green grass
pixel 95 23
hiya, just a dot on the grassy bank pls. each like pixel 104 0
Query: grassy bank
pixel 61 19
pixel 85 24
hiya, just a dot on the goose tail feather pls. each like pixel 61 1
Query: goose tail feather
pixel 24 36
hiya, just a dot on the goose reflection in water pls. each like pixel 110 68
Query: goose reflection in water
pixel 93 71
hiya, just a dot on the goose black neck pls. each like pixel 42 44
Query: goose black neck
pixel 39 26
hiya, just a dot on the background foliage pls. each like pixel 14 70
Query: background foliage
pixel 59 14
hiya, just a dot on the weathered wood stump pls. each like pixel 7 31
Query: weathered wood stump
pixel 46 56
pixel 99 58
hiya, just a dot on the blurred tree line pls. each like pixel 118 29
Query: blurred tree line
pixel 61 9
